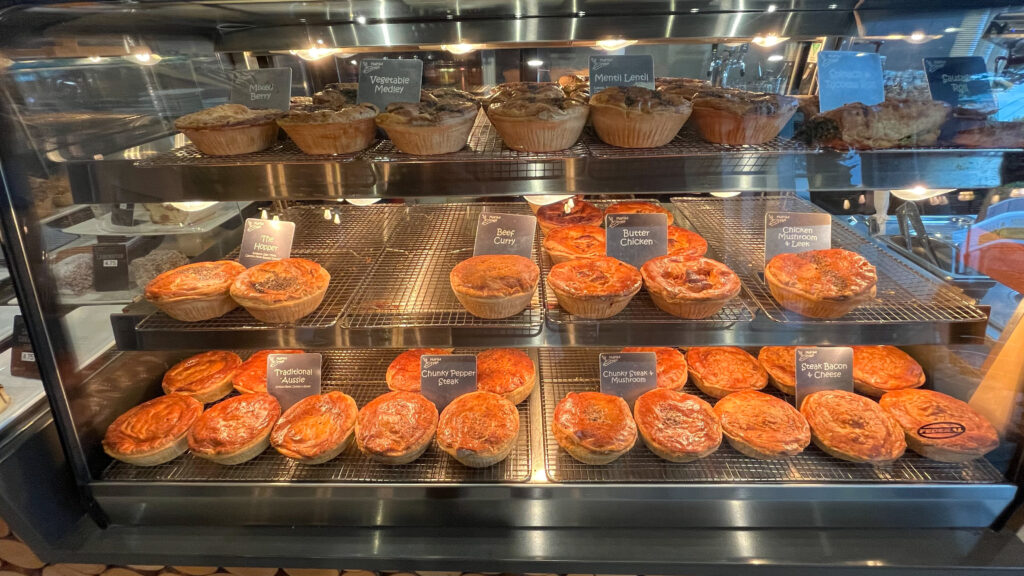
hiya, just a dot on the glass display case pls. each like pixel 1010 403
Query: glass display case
pixel 107 189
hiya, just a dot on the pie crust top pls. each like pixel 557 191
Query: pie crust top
pixel 679 277
pixel 395 423
pixel 479 423
pixel 683 242
pixel 194 281
pixel 404 371
pixel 251 376
pixel 582 212
pixel 852 424
pixel 727 367
pixel 153 425
pixel 597 422
pixel 503 370
pixel 197 374
pixel 672 369
pixel 279 282
pixel 576 241
pixel 677 422
pixel 314 425
pixel 233 424
pixel 832 274
pixel 599 276
pixel 495 276
pixel 886 368
pixel 767 423
pixel 935 419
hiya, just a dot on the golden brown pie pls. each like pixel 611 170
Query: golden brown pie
pixel 722 370
pixel 230 129
pixel 506 371
pixel 235 430
pixel 205 377
pixel 195 292
pixel 677 427
pixel 251 376
pixel 495 285
pixel 672 370
pixel 538 123
pixel 560 214
pixel 689 287
pixel 738 117
pixel 762 426
pixel 577 241
pixel 940 427
pixel 404 371
pixel 440 123
pixel 894 123
pixel 852 427
pixel 780 364
pixel 478 429
pixel 396 428
pixel 597 287
pixel 638 207
pixel 316 429
pixel 635 117
pixel 281 290
pixel 683 242
pixel 821 283
pixel 153 432
pixel 881 369
pixel 594 428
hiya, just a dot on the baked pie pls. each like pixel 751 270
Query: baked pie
pixel 780 364
pixel 598 287
pixel 523 90
pixel 230 129
pixel 315 429
pixel 940 427
pixel 894 123
pixel 537 123
pixel 672 370
pixel 638 207
pixel 506 371
pixel 852 427
pixel 495 285
pixel 685 87
pixel 404 371
pixel 439 123
pixel 396 428
pixel 683 242
pixel 251 376
pixel 478 429
pixel 560 214
pixel 881 369
pixel 577 241
pixel 195 292
pixel 675 426
pixel 205 377
pixel 635 117
pixel 331 131
pixel 721 370
pixel 153 432
pixel 235 430
pixel 594 428
pixel 281 290
pixel 821 283
pixel 992 135
pixel 738 117
pixel 688 287
pixel 762 426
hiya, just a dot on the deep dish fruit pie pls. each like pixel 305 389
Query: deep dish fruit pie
pixel 638 207
pixel 594 428
pixel 560 214
pixel 195 292
pixel 598 287
pixel 940 427
pixel 881 369
pixel 821 283
pixel 683 242
pixel 153 432
pixel 205 377
pixel 281 290
pixel 852 427
pixel 251 376
pixel 672 370
pixel 577 241
pixel 316 429
pixel 235 430
pixel 722 370
pixel 396 428
pixel 688 287
pixel 404 371
pixel 506 371
pixel 495 285
pixel 677 427
pixel 478 429
pixel 762 426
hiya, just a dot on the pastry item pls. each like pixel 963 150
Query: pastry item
pixel 738 117
pixel 598 287
pixel 74 274
pixel 577 241
pixel 780 364
pixel 478 429
pixel 230 129
pixel 143 270
pixel 675 426
pixel 251 376
pixel 404 371
pixel 506 371
pixel 891 124
pixel 168 213
pixel 762 426
pixel 635 117
pixel 315 429
pixel 594 428
pixel 336 96
pixel 495 285
pixel 281 290
pixel 195 292
pixel 992 135
pixel 331 131
pixel 235 430
pixel 638 207
pixel 575 87
pixel 534 124
pixel 672 369
pixel 396 428
pixel 438 124
pixel 940 427
pixel 722 370
pixel 688 287
pixel 881 369
pixel 153 432
pixel 685 87
pixel 852 427
pixel 821 283
pixel 560 214
pixel 523 90
pixel 683 242
pixel 205 377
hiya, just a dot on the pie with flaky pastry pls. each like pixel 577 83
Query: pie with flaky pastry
pixel 683 242
pixel 478 429
pixel 396 428
pixel 251 376
pixel 762 426
pixel 506 371
pixel 594 428
pixel 881 369
pixel 780 364
pixel 205 377
pixel 404 371
pixel 821 283
pixel 852 427
pixel 722 370
pixel 195 292
pixel 940 427
pixel 672 370
pixel 235 430
pixel 677 427
pixel 153 432
pixel 316 429
pixel 688 287
pixel 281 290
pixel 495 285
pixel 596 287
pixel 577 241
pixel 560 214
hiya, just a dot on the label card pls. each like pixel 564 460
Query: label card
pixel 292 377
pixel 110 267
pixel 823 368
pixel 445 377
pixel 265 240
pixel 505 234
pixel 960 81
pixel 628 374
pixel 636 238
pixel 386 80
pixel 635 70
pixel 23 356
pixel 787 232
pixel 845 77
pixel 123 215
pixel 265 89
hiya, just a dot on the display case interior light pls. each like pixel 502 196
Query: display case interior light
pixel 146 58
pixel 920 193
pixel 613 44
pixel 460 48
pixel 535 63
pixel 190 206
pixel 725 194
pixel 769 40
pixel 362 201
pixel 776 58
pixel 314 53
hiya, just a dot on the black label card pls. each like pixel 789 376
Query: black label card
pixel 292 377
pixel 23 357
pixel 505 234
pixel 445 377
pixel 386 80
pixel 636 70
pixel 788 232
pixel 265 240
pixel 110 267
pixel 846 77
pixel 636 238
pixel 123 215
pixel 266 89
pixel 628 374
pixel 960 81
pixel 820 369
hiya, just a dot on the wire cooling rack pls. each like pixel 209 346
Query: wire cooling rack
pixel 735 226
pixel 688 143
pixel 341 227
pixel 360 374
pixel 284 152
pixel 565 370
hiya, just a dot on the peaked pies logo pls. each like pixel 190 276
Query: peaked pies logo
pixel 277 361
pixel 251 225
pixel 600 63
pixel 616 221
pixel 776 219
pixel 487 219
pixel 430 362
pixel 369 66
pixel 934 65
pixel 610 359
pixel 805 355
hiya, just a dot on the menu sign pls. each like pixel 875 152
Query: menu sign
pixel 787 232
pixel 110 267
pixel 292 377
pixel 960 81
pixel 23 356
pixel 265 240
pixel 505 234
pixel 445 377
pixel 634 70
pixel 265 89
pixel 123 215
pixel 386 80
pixel 846 77
pixel 826 368
pixel 636 238
pixel 628 374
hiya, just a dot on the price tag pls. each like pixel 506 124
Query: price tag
pixel 789 232
pixel 628 374
pixel 825 368
pixel 636 238
pixel 505 234
pixel 266 89
pixel 265 240
pixel 292 377
pixel 846 77
pixel 110 267
pixel 23 356
pixel 960 81
pixel 386 80
pixel 445 377
pixel 123 215
pixel 634 70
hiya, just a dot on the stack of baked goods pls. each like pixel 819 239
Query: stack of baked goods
pixel 230 129
pixel 440 123
pixel 821 283
pixel 635 117
pixel 536 116
pixel 738 117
